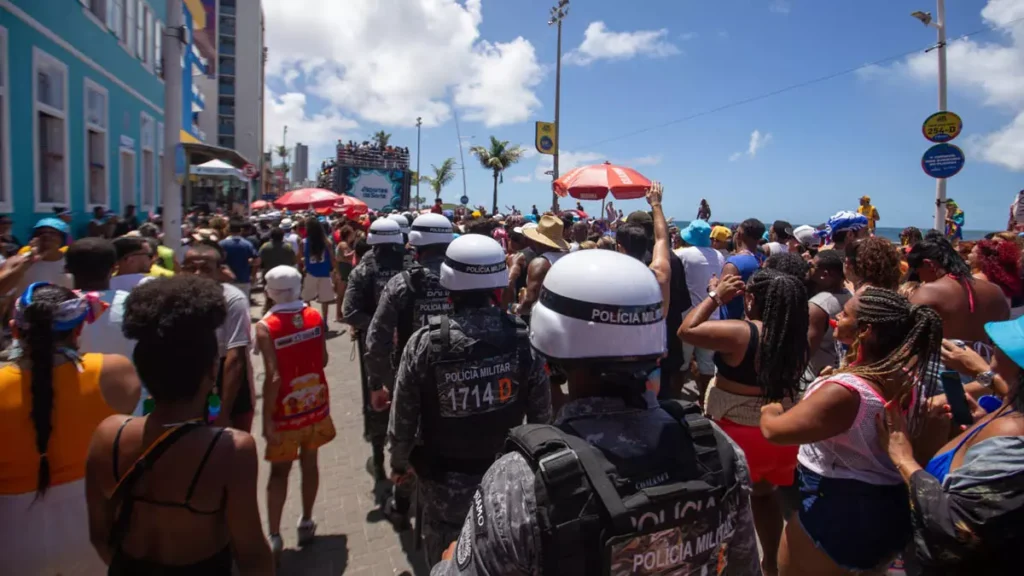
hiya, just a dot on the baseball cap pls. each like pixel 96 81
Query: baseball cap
pixel 721 233
pixel 783 228
pixel 807 235
pixel 639 217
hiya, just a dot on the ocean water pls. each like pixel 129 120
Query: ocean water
pixel 885 232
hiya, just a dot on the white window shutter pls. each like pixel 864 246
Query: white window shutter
pixel 110 15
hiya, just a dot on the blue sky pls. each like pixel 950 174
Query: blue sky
pixel 347 71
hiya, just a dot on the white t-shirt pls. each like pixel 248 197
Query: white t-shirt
pixel 777 248
pixel 236 329
pixel 104 336
pixel 127 282
pixel 293 239
pixel 46 271
pixel 700 264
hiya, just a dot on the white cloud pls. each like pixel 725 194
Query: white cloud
pixel 994 71
pixel 522 179
pixel 780 6
pixel 390 61
pixel 323 128
pixel 757 143
pixel 599 43
pixel 649 160
pixel 685 36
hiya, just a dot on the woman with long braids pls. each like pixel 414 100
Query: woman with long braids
pixel 759 360
pixel 318 257
pixel 51 400
pixel 972 485
pixel 169 494
pixel 854 514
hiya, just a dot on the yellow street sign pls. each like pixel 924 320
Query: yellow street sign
pixel 544 138
pixel 942 127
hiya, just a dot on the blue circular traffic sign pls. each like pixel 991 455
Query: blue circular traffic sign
pixel 464 200
pixel 546 143
pixel 943 161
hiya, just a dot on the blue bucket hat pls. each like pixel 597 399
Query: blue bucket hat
pixel 1008 336
pixel 697 233
pixel 55 223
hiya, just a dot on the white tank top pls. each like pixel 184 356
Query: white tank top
pixel 553 257
pixel 854 454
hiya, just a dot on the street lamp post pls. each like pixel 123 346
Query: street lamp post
pixel 558 13
pixel 940 26
pixel 419 123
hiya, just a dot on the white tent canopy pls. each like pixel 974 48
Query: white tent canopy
pixel 218 168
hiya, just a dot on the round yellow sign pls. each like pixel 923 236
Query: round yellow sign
pixel 942 127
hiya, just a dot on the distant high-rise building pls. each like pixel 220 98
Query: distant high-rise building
pixel 237 79
pixel 300 167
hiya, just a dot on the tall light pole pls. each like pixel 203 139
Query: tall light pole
pixel 558 12
pixel 419 123
pixel 172 47
pixel 940 27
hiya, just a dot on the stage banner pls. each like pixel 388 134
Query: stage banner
pixel 380 189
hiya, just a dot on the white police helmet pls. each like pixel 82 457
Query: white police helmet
pixel 403 223
pixel 474 262
pixel 384 231
pixel 430 229
pixel 598 304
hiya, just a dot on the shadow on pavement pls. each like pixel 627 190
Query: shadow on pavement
pixel 407 538
pixel 327 555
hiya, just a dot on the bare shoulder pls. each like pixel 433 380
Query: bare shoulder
pixel 539 266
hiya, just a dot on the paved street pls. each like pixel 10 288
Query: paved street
pixel 352 537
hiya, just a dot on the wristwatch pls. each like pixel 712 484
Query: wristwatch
pixel 985 378
pixel 713 294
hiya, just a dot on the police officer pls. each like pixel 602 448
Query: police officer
pixel 407 301
pixel 613 487
pixel 464 381
pixel 365 285
pixel 403 225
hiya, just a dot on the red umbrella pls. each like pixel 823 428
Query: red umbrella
pixel 259 205
pixel 306 198
pixel 596 181
pixel 350 206
pixel 577 213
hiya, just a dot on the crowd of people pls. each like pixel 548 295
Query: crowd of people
pixel 661 399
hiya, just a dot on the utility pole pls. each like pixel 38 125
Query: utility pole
pixel 558 13
pixel 940 26
pixel 462 158
pixel 174 39
pixel 419 123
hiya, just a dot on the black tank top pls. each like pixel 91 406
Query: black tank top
pixel 218 564
pixel 745 373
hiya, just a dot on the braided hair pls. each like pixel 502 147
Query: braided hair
pixel 780 301
pixel 941 252
pixel 906 336
pixel 42 342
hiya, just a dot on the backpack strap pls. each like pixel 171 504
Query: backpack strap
pixel 440 333
pixel 715 455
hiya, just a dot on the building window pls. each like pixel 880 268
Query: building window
pixel 149 37
pixel 127 177
pixel 97 10
pixel 158 49
pixel 96 145
pixel 50 118
pixel 115 19
pixel 140 30
pixel 5 180
pixel 148 128
pixel 129 25
pixel 226 141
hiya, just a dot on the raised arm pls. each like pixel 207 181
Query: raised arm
pixel 662 251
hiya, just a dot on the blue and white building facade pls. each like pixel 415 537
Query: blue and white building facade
pixel 81 107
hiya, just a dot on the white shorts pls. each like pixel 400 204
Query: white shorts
pixel 317 288
pixel 49 535
pixel 705 360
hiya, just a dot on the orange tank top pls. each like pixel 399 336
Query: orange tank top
pixel 78 408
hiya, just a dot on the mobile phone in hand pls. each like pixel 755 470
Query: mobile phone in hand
pixel 956 397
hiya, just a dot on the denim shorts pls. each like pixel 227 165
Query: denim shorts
pixel 860 526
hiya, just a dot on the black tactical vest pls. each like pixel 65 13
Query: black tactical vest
pixel 670 511
pixel 428 298
pixel 381 274
pixel 478 393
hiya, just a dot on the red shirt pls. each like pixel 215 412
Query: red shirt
pixel 298 339
pixel 435 209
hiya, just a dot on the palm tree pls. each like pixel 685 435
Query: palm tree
pixel 496 158
pixel 283 152
pixel 443 175
pixel 381 138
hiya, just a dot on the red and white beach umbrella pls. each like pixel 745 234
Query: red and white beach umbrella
pixel 596 181
pixel 306 198
pixel 350 206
